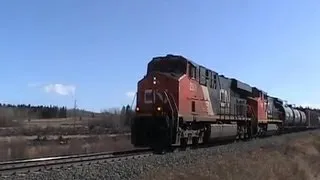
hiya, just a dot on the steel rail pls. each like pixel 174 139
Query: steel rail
pixel 28 165
pixel 50 163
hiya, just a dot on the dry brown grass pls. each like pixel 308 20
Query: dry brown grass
pixel 57 122
pixel 15 140
pixel 21 148
pixel 64 126
pixel 297 160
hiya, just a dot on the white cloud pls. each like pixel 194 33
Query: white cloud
pixel 60 89
pixel 130 94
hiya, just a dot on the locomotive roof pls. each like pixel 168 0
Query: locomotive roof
pixel 158 58
pixel 181 57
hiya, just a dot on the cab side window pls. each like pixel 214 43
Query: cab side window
pixel 209 78
pixel 202 76
pixel 224 97
pixel 214 81
pixel 192 71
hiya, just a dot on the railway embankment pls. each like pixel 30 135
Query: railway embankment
pixel 290 156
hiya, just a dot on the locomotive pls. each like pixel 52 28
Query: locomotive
pixel 180 102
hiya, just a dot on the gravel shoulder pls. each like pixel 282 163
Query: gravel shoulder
pixel 288 157
pixel 292 156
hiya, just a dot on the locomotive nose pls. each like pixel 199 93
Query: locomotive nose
pixel 155 91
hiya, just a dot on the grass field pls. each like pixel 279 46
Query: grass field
pixel 22 147
pixel 64 136
pixel 59 122
pixel 65 126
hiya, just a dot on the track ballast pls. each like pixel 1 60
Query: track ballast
pixel 46 164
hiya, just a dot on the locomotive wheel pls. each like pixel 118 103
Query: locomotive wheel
pixel 183 143
pixel 207 134
pixel 247 135
pixel 195 142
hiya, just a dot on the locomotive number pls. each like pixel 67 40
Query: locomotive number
pixel 193 86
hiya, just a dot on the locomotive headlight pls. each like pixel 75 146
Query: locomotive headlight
pixel 158 108
pixel 137 108
pixel 154 80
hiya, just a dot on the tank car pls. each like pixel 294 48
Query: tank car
pixel 312 119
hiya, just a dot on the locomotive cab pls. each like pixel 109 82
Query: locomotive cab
pixel 159 89
pixel 158 102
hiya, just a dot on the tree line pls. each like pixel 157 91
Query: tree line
pixel 28 111
pixel 123 114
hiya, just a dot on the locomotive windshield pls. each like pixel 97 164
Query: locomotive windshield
pixel 174 65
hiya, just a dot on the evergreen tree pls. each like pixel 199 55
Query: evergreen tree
pixel 128 115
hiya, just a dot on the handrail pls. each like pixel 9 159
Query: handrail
pixel 134 97
pixel 175 104
pixel 166 94
pixel 252 112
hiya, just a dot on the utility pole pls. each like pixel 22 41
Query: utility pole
pixel 74 113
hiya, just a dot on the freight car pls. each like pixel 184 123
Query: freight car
pixel 180 102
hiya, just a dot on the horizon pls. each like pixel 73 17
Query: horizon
pixel 96 52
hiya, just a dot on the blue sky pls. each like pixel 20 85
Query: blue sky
pixel 102 47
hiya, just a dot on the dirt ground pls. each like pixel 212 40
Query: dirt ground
pixel 298 159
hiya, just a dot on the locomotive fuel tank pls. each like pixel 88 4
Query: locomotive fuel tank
pixel 272 129
pixel 223 131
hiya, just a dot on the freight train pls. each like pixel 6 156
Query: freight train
pixel 181 103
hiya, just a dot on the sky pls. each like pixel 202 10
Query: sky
pixel 52 52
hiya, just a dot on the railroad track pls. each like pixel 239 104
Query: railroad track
pixel 46 164
pixel 9 168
